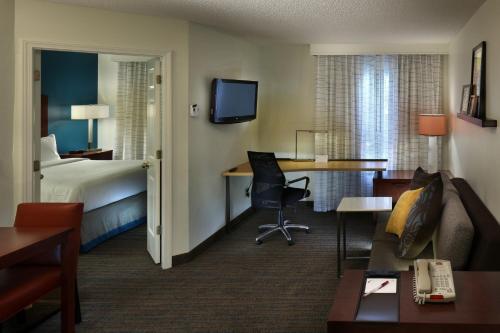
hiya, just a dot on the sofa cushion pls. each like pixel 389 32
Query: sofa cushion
pixel 422 178
pixel 380 234
pixel 422 220
pixel 397 220
pixel 455 233
pixel 383 256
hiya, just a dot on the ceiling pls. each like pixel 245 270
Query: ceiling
pixel 314 21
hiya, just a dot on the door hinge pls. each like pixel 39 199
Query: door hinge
pixel 159 155
pixel 36 75
pixel 158 229
pixel 36 166
pixel 158 79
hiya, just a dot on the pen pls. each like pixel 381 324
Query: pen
pixel 385 283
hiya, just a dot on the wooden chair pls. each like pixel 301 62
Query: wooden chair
pixel 22 285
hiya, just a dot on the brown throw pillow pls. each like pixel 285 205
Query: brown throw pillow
pixel 422 178
pixel 422 221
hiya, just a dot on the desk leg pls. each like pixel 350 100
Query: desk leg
pixel 67 291
pixel 344 238
pixel 228 203
pixel 339 256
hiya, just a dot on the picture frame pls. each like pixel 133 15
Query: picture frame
pixel 473 106
pixel 464 107
pixel 478 80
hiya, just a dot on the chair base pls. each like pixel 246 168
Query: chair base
pixel 283 226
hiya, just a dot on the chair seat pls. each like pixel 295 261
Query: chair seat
pixel 292 194
pixel 23 285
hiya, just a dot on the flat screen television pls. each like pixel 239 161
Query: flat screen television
pixel 233 101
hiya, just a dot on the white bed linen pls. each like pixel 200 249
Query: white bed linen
pixel 93 182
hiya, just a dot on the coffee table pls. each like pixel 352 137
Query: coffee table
pixel 356 205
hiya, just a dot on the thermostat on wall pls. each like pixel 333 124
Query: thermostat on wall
pixel 194 110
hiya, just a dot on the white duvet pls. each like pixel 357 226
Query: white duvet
pixel 95 183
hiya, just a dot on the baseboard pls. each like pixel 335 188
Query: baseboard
pixel 188 256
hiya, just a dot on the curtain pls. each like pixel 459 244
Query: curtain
pixel 131 111
pixel 369 106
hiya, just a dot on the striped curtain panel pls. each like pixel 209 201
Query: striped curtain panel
pixel 369 105
pixel 131 111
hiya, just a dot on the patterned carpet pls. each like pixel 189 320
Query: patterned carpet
pixel 234 286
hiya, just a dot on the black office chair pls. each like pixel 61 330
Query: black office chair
pixel 271 190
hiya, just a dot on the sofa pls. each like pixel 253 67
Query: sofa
pixel 468 234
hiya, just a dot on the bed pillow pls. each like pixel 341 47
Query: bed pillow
pixel 422 220
pixel 422 178
pixel 399 215
pixel 49 148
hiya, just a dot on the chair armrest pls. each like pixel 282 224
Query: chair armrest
pixel 299 180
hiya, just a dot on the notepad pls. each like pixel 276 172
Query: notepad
pixel 372 283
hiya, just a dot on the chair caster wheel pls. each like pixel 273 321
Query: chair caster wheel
pixel 291 242
pixel 258 242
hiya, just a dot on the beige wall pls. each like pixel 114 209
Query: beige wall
pixel 6 109
pixel 216 147
pixel 50 22
pixel 287 95
pixel 474 152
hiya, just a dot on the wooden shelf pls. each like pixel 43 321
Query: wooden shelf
pixel 478 121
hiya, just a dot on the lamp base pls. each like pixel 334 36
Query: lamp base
pixel 432 155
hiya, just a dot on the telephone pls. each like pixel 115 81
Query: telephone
pixel 433 281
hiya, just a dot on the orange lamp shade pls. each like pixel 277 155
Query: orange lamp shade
pixel 432 124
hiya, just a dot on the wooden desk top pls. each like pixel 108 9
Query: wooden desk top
pixel 244 169
pixel 476 308
pixel 20 243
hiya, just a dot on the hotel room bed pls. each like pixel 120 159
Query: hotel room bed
pixel 113 193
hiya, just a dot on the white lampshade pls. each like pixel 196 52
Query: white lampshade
pixel 94 111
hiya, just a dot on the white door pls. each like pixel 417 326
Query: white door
pixel 37 113
pixel 153 159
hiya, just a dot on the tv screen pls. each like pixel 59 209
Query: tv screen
pixel 233 101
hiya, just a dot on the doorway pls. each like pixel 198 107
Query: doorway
pixel 156 164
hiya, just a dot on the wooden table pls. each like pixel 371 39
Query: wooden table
pixel 289 165
pixel 92 155
pixel 476 309
pixel 20 244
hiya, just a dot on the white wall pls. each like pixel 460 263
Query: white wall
pixel 287 97
pixel 214 148
pixel 6 109
pixel 107 87
pixel 50 22
pixel 474 152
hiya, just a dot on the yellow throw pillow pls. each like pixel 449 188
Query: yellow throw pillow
pixel 399 215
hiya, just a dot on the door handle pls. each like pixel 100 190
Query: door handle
pixel 41 176
pixel 146 165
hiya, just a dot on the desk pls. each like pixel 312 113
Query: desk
pixel 475 310
pixel 288 165
pixel 20 244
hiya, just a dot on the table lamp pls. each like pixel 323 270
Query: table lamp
pixel 90 112
pixel 432 125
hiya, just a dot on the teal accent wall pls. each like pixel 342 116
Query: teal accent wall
pixel 69 78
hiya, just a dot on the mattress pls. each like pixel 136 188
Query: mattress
pixel 93 182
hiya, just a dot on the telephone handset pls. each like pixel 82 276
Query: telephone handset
pixel 433 281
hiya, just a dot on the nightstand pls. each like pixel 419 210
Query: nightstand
pixel 392 184
pixel 93 155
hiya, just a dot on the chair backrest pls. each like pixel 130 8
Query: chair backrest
pixel 268 180
pixel 52 215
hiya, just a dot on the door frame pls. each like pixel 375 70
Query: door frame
pixel 29 121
